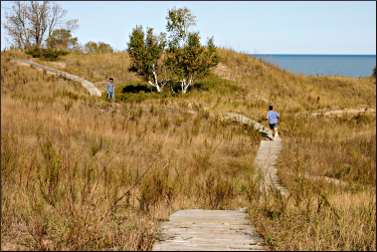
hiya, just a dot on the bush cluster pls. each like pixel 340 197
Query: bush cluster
pixel 46 53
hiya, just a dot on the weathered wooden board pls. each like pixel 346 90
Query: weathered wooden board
pixel 198 229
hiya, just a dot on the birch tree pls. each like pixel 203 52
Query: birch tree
pixel 178 24
pixel 186 58
pixel 146 52
pixel 191 62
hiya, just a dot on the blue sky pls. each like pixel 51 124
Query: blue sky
pixel 252 27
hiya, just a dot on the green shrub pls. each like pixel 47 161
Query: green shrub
pixel 46 53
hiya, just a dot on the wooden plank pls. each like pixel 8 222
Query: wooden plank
pixel 209 230
pixel 230 230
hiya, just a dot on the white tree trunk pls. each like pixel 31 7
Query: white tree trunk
pixel 158 88
pixel 155 84
pixel 185 85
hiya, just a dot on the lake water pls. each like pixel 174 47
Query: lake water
pixel 341 65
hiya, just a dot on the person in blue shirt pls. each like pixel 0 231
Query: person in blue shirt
pixel 111 89
pixel 273 120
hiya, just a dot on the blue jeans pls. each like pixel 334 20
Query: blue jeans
pixel 110 95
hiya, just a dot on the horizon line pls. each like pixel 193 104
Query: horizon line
pixel 317 54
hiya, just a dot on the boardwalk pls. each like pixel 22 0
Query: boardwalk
pixel 200 229
pixel 89 86
pixel 197 229
pixel 267 154
pixel 247 121
pixel 265 161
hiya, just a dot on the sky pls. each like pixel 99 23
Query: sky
pixel 339 27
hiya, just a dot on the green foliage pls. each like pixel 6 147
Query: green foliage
pixel 100 47
pixel 104 48
pixel 178 23
pixel 46 53
pixel 374 72
pixel 198 58
pixel 62 38
pixel 214 83
pixel 206 87
pixel 145 52
pixel 184 61
pixel 154 47
pixel 186 58
pixel 193 61
pixel 136 48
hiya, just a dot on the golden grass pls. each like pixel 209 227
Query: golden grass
pixel 249 85
pixel 319 215
pixel 264 83
pixel 81 173
pixel 319 222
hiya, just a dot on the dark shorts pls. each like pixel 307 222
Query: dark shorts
pixel 272 126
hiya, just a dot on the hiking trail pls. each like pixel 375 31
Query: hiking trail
pixel 267 155
pixel 89 86
pixel 200 229
pixel 338 112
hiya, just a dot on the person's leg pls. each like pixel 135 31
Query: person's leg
pixel 273 129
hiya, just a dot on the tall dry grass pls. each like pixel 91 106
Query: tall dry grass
pixel 240 83
pixel 319 215
pixel 81 173
pixel 264 83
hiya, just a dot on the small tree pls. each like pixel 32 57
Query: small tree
pixel 104 48
pixel 91 47
pixel 146 52
pixel 374 72
pixel 186 58
pixel 136 48
pixel 100 47
pixel 62 39
pixel 193 61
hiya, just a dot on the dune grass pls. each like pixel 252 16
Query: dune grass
pixel 319 215
pixel 240 83
pixel 80 173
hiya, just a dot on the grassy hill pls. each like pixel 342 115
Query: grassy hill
pixel 81 173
